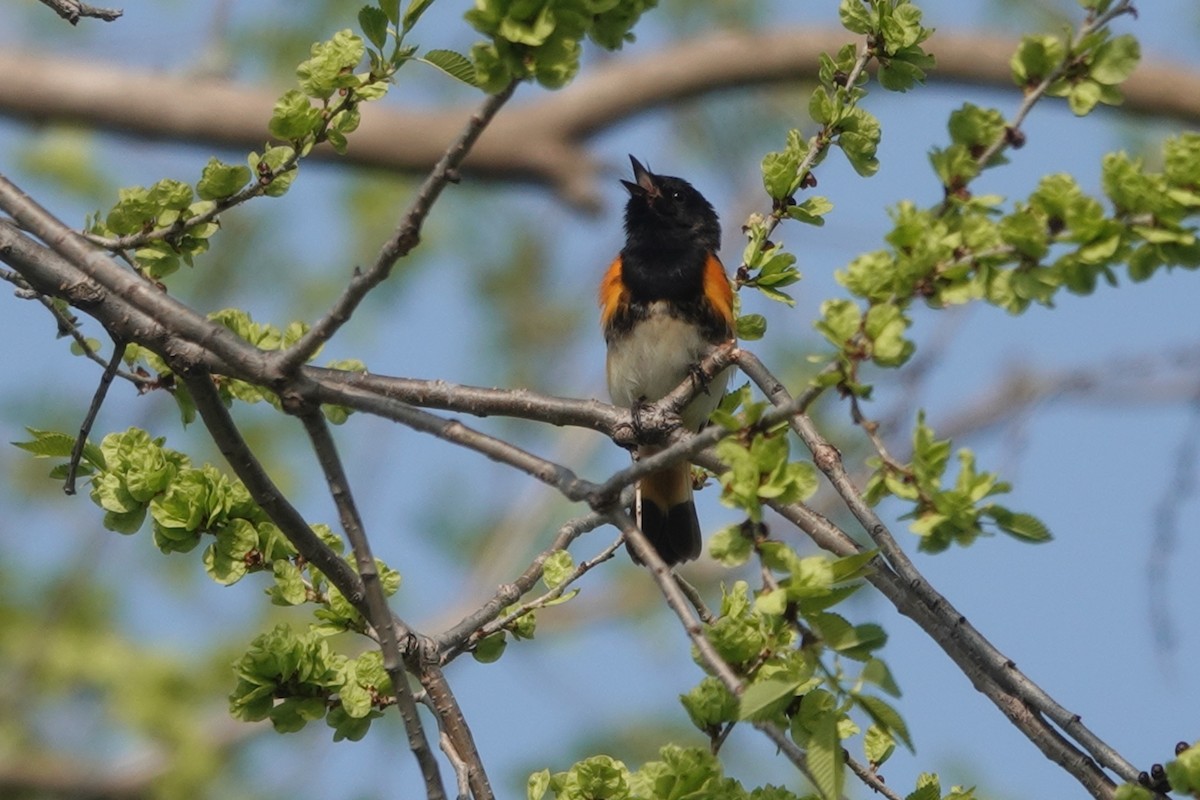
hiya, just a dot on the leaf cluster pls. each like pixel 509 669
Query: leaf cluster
pixel 759 468
pixel 681 772
pixel 894 35
pixel 1087 71
pixel 293 679
pixel 941 515
pixel 542 40
pixel 169 206
pixel 134 476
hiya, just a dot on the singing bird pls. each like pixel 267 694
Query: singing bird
pixel 665 301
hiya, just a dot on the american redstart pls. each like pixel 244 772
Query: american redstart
pixel 664 302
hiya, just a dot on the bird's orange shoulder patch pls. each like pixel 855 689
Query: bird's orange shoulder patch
pixel 613 292
pixel 718 290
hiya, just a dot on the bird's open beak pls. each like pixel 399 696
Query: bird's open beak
pixel 645 184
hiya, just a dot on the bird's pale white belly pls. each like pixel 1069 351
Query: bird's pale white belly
pixel 654 357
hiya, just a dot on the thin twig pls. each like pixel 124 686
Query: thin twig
pixel 455 639
pixel 479 401
pixel 1164 545
pixel 462 775
pixel 543 600
pixel 693 595
pixel 402 241
pixel 381 617
pixel 68 325
pixel 106 379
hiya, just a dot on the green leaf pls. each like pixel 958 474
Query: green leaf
pixel 558 567
pixel 876 671
pixel 269 167
pixel 536 786
pixel 331 66
pixel 729 546
pixel 826 759
pixel 226 560
pixel 456 65
pixel 878 745
pixel 294 116
pixel 811 211
pixel 1019 525
pixel 1183 773
pixel 905 69
pixel 127 523
pixel 767 698
pixel 822 107
pixel 885 326
pixel 1114 60
pixel 374 23
pixel 859 140
pixel 534 31
pixel 92 346
pixel 709 704
pixel 414 11
pixel 289 589
pixel 353 696
pixel 772 603
pixel 391 9
pixel 490 648
pixel 1083 97
pixel 808 577
pixel 346 727
pixel 853 641
pixel 855 17
pixel 751 327
pixel 886 717
pixel 49 444
pixel 294 713
pixel 219 180
pixel 1132 791
pixel 840 321
pixel 928 788
pixel 779 168
pixel 848 568
pixel 1036 58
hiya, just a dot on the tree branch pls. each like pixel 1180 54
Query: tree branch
pixel 572 486
pixel 85 428
pixel 990 670
pixel 263 490
pixel 478 401
pixel 128 292
pixel 380 618
pixel 406 236
pixel 539 141
pixel 72 10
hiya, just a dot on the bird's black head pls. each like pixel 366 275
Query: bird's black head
pixel 664 211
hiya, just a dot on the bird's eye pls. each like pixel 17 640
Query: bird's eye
pixel 677 196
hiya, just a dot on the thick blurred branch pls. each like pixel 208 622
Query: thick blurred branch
pixel 540 141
